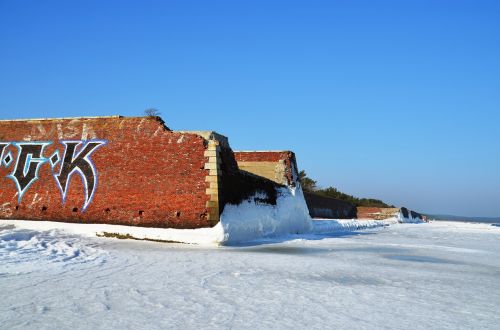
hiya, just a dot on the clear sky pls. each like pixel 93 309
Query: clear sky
pixel 396 100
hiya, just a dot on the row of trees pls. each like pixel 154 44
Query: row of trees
pixel 310 185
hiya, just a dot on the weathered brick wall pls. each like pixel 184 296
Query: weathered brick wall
pixel 278 166
pixel 381 213
pixel 147 175
pixel 281 167
pixel 377 213
pixel 237 185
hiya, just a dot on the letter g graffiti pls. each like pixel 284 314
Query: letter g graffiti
pixel 30 158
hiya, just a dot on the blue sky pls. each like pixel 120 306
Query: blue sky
pixel 397 100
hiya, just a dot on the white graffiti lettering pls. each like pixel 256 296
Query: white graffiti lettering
pixel 30 158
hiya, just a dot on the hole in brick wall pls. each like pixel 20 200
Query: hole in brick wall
pixel 107 210
pixel 141 212
pixel 17 207
pixel 44 208
pixel 75 209
pixel 177 214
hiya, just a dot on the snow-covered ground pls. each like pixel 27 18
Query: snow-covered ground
pixel 405 276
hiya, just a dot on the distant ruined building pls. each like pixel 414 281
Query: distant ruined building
pixel 382 213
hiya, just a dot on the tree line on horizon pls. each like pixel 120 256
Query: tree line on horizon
pixel 310 185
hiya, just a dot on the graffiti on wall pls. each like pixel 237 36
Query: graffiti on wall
pixel 75 159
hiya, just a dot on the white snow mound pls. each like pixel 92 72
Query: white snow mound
pixel 249 221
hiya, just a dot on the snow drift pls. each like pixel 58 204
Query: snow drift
pixel 248 221
pixel 22 250
pixel 442 275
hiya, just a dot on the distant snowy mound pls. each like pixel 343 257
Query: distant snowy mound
pixel 409 219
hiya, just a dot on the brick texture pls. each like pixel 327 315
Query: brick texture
pixel 147 174
pixel 281 167
pixel 380 213
pixel 278 166
pixel 236 186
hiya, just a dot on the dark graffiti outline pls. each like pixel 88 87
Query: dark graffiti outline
pixel 29 159
pixel 74 156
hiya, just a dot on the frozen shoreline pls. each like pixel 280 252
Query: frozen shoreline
pixel 438 275
pixel 202 236
pixel 243 223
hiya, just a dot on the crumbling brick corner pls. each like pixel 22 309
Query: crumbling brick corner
pixel 278 166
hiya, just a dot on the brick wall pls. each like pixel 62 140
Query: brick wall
pixel 278 166
pixel 377 213
pixel 281 167
pixel 145 174
pixel 380 213
pixel 237 185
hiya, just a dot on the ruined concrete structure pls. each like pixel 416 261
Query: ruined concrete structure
pixel 376 213
pixel 381 213
pixel 119 170
pixel 278 166
pixel 281 167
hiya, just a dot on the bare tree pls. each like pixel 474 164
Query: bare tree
pixel 152 112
